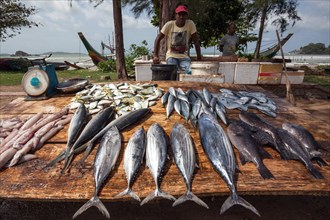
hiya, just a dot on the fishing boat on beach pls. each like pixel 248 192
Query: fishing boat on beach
pixel 272 51
pixel 95 56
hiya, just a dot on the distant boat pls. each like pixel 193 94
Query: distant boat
pixel 272 51
pixel 96 56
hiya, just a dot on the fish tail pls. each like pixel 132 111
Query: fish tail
pixel 67 163
pixel 265 172
pixel 320 161
pixel 237 200
pixel 157 193
pixel 129 191
pixel 190 196
pixel 57 159
pixel 94 201
pixel 316 174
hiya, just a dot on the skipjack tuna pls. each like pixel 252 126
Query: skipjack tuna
pixel 221 155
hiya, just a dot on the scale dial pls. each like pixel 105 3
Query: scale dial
pixel 35 82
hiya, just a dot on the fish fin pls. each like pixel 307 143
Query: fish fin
pixel 94 201
pixel 237 200
pixel 263 153
pixel 129 191
pixel 315 153
pixel 67 163
pixel 190 196
pixel 265 172
pixel 243 159
pixel 151 196
pixel 157 193
pixel 58 158
pixel 320 161
pixel 316 174
pixel 87 152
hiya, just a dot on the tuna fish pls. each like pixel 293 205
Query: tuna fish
pixel 90 130
pixel 104 162
pixel 249 149
pixel 77 123
pixel 298 152
pixel 306 139
pixel 221 155
pixel 185 159
pixel 259 123
pixel 156 154
pixel 133 158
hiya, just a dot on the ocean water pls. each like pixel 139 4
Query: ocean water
pixel 84 58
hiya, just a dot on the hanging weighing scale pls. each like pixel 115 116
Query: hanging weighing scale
pixel 40 83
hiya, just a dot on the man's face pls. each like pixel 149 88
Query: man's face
pixel 181 17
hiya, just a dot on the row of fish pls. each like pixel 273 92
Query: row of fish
pixel 192 103
pixel 30 136
pixel 83 134
pixel 154 144
pixel 123 97
pixel 292 142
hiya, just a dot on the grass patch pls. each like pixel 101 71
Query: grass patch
pixel 10 78
pixel 322 80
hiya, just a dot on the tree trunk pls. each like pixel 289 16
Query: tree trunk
pixel 261 30
pixel 167 13
pixel 120 56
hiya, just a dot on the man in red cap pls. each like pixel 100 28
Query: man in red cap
pixel 178 33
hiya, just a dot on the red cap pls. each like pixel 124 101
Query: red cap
pixel 181 8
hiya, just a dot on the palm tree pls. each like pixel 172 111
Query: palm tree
pixel 119 39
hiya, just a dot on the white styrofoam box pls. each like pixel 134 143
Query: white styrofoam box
pixel 204 67
pixel 211 78
pixel 228 70
pixel 143 70
pixel 246 73
pixel 295 77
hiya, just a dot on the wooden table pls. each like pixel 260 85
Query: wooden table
pixel 29 181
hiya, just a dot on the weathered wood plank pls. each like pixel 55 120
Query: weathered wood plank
pixel 31 182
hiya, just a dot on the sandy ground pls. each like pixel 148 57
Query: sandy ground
pixel 313 100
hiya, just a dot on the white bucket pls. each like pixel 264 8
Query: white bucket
pixel 204 68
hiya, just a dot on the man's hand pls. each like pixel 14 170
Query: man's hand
pixel 156 60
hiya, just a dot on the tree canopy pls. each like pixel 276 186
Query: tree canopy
pixel 317 48
pixel 13 16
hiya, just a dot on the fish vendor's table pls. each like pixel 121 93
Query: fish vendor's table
pixel 29 181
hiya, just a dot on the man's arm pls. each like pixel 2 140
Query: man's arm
pixel 159 37
pixel 197 46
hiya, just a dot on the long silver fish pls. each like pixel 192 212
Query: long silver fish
pixel 104 162
pixel 221 155
pixel 248 148
pixel 156 154
pixel 307 140
pixel 91 129
pixel 77 123
pixel 185 160
pixel 133 158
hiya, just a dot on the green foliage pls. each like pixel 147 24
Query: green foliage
pixel 13 16
pixel 318 48
pixel 107 66
pixel 135 52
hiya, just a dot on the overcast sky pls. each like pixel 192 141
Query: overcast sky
pixel 61 23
